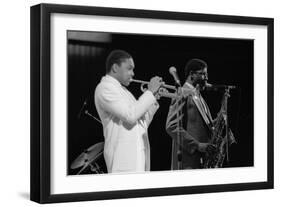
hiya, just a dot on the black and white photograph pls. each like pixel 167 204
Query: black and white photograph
pixel 136 103
pixel 139 102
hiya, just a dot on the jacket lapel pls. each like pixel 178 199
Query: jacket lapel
pixel 200 108
pixel 189 90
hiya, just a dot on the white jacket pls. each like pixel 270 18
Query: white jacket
pixel 125 121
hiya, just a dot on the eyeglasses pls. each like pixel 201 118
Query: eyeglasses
pixel 201 73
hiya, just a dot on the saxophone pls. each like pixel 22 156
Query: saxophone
pixel 221 137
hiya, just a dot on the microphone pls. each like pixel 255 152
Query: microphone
pixel 173 72
pixel 217 87
pixel 82 108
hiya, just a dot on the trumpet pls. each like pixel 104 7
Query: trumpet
pixel 163 92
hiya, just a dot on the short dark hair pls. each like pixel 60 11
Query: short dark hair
pixel 116 56
pixel 194 65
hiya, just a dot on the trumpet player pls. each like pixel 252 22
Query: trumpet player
pixel 125 120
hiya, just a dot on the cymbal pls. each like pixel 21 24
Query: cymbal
pixel 88 156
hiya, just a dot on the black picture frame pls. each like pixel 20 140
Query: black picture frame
pixel 40 177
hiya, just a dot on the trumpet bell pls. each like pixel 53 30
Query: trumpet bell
pixel 163 92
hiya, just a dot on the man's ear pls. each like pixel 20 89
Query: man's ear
pixel 114 68
pixel 191 73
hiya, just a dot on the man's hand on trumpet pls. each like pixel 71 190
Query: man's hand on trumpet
pixel 154 84
pixel 162 92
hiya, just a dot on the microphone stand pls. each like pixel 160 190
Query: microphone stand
pixel 90 115
pixel 87 112
pixel 225 103
pixel 95 168
pixel 179 134
pixel 82 108
pixel 227 95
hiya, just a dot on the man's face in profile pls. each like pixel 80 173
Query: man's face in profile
pixel 125 71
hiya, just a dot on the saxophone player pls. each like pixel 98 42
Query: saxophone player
pixel 190 139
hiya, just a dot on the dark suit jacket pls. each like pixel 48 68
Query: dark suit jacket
pixel 196 122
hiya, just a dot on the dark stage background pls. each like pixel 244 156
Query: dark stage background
pixel 230 61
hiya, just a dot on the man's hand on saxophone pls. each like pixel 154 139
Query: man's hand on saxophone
pixel 206 148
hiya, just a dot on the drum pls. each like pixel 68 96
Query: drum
pixel 91 160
